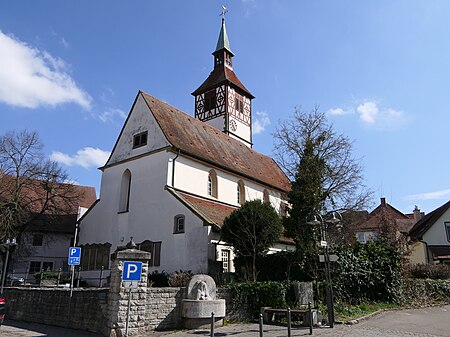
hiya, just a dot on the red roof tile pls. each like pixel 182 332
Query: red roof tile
pixel 204 142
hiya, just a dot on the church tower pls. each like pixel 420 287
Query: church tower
pixel 222 100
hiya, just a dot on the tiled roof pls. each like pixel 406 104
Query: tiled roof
pixel 221 75
pixel 211 211
pixel 386 211
pixel 204 142
pixel 427 221
pixel 34 195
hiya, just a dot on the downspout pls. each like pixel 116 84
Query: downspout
pixel 173 168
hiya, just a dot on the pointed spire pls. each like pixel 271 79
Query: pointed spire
pixel 222 42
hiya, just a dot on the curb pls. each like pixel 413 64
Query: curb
pixel 364 318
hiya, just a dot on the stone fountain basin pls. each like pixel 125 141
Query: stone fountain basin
pixel 202 308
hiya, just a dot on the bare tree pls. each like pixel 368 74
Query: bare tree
pixel 30 185
pixel 342 174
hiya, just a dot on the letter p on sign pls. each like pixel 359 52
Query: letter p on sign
pixel 132 271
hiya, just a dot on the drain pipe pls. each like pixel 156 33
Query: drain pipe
pixel 173 168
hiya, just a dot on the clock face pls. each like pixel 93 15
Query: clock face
pixel 233 125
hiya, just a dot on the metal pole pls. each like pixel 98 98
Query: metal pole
pixel 128 312
pixel 212 324
pixel 261 325
pixel 59 276
pixel 329 289
pixel 289 321
pixel 79 277
pixel 71 280
pixel 40 279
pixel 310 318
pixel 5 268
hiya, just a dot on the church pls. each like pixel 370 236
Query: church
pixel 172 179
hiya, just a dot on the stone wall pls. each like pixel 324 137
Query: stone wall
pixel 85 311
pixel 164 308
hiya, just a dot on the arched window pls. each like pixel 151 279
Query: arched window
pixel 178 225
pixel 240 192
pixel 266 196
pixel 124 201
pixel 212 184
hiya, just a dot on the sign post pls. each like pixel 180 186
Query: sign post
pixel 74 259
pixel 131 276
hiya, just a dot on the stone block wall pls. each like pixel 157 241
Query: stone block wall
pixel 163 309
pixel 85 311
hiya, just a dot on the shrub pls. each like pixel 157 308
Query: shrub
pixel 432 271
pixel 180 278
pixel 251 296
pixel 52 275
pixel 158 279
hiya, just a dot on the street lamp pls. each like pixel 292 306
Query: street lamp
pixel 7 244
pixel 333 218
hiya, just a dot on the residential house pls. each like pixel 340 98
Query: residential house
pixel 385 220
pixel 172 179
pixel 430 237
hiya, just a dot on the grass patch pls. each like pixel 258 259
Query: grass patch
pixel 347 312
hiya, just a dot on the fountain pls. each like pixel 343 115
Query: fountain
pixel 201 301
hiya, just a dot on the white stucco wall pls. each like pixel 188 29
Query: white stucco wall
pixel 192 176
pixel 437 235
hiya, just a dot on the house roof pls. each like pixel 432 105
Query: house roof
pixel 65 198
pixel 197 139
pixel 221 75
pixel 385 211
pixel 211 211
pixel 424 224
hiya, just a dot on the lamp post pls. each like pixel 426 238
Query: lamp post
pixel 7 244
pixel 331 218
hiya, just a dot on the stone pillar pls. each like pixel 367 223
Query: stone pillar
pixel 118 296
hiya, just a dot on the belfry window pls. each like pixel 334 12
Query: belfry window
pixel 210 100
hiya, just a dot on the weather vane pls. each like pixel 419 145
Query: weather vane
pixel 224 11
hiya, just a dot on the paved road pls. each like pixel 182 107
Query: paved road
pixel 429 322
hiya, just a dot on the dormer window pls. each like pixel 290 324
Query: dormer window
pixel 140 139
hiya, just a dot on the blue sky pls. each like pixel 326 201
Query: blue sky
pixel 380 69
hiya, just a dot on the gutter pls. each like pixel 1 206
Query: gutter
pixel 173 168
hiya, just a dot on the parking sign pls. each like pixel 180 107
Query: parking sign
pixel 74 256
pixel 132 271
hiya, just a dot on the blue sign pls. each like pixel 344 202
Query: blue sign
pixel 74 256
pixel 132 271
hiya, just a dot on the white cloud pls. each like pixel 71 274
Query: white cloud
pixel 64 43
pixel 382 118
pixel 338 112
pixel 110 115
pixel 260 121
pixel 31 78
pixel 368 112
pixel 443 194
pixel 87 157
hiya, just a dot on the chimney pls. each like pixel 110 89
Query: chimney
pixel 383 202
pixel 417 214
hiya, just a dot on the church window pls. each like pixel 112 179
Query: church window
pixel 266 196
pixel 140 139
pixel 210 100
pixel 124 197
pixel 240 192
pixel 179 224
pixel 212 184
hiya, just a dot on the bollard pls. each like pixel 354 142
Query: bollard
pixel 310 318
pixel 289 321
pixel 212 324
pixel 261 325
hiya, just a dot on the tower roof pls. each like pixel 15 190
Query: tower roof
pixel 223 42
